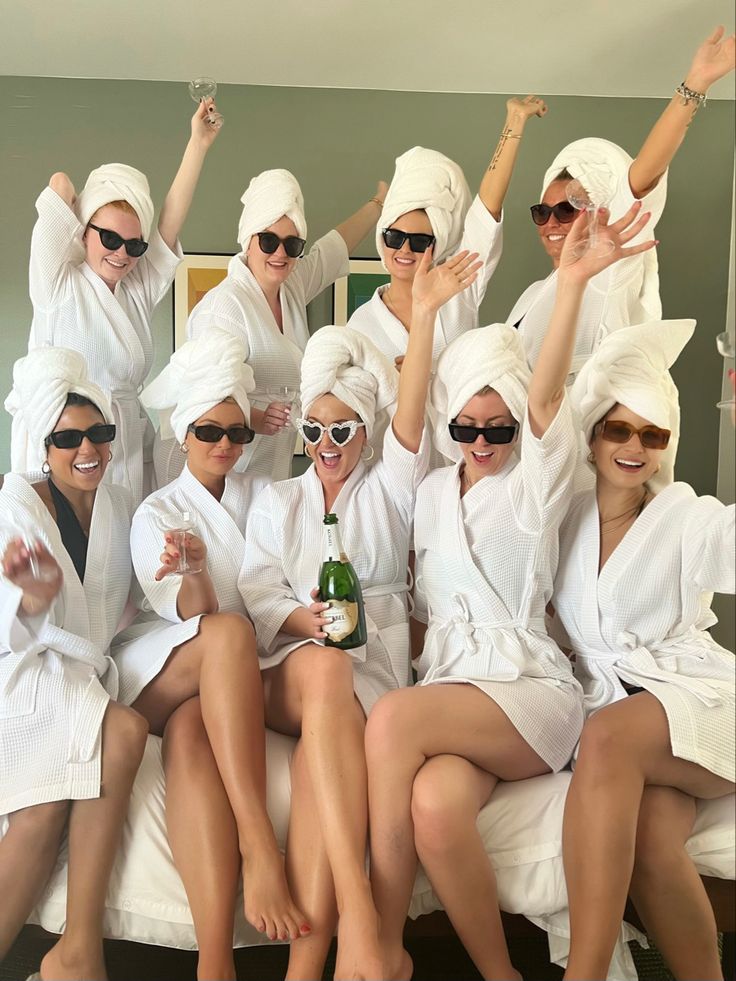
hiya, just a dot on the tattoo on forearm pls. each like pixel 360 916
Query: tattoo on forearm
pixel 505 135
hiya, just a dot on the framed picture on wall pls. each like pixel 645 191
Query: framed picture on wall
pixel 355 289
pixel 195 276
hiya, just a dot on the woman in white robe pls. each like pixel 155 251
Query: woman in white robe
pixel 320 693
pixel 627 293
pixel 429 197
pixel 263 301
pixel 496 698
pixel 640 557
pixel 99 300
pixel 67 751
pixel 190 666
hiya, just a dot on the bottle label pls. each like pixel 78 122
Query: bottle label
pixel 344 615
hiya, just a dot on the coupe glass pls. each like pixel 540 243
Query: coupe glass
pixel 727 350
pixel 588 193
pixel 29 538
pixel 205 88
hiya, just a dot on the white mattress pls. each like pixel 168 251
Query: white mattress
pixel 521 826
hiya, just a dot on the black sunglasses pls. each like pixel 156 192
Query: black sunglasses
pixel 213 434
pixel 135 247
pixel 70 439
pixel 563 212
pixel 394 238
pixel 269 242
pixel 491 434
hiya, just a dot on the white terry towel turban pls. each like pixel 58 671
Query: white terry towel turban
pixel 631 368
pixel 200 374
pixel 489 356
pixel 116 182
pixel 345 363
pixel 270 196
pixel 426 180
pixel 42 380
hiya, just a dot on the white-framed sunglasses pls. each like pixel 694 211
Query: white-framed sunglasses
pixel 339 432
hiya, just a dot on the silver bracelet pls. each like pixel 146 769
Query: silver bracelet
pixel 688 96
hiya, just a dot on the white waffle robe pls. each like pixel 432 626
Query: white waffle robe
pixel 72 307
pixel 141 651
pixel 484 570
pixel 284 553
pixel 55 674
pixel 643 620
pixel 238 305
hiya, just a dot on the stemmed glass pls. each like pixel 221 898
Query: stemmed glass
pixel 726 349
pixel 205 88
pixel 29 538
pixel 178 527
pixel 588 193
pixel 285 395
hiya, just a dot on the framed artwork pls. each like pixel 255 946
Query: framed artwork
pixel 355 289
pixel 195 276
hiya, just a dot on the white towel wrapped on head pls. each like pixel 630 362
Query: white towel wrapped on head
pixel 489 356
pixel 342 362
pixel 631 368
pixel 271 195
pixel 116 182
pixel 42 380
pixel 599 165
pixel 426 180
pixel 200 374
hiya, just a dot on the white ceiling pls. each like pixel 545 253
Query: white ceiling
pixel 552 47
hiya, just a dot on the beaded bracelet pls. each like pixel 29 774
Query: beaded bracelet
pixel 688 96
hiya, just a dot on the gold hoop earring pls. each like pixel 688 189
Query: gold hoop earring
pixel 45 467
pixel 184 448
pixel 591 457
pixel 109 457
pixel 367 459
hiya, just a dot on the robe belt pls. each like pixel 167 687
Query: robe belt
pixel 126 394
pixel 639 663
pixel 501 635
pixel 53 638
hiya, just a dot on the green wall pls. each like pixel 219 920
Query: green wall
pixel 339 143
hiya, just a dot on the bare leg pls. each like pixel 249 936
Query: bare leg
pixel 28 853
pixel 405 729
pixel 221 665
pixel 309 875
pixel 448 794
pixel 312 692
pixel 203 837
pixel 624 747
pixel 667 891
pixel 95 827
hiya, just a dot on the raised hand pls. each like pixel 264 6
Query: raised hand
pixel 206 123
pixel 580 268
pixel 519 111
pixel 38 593
pixel 196 554
pixel 433 287
pixel 381 192
pixel 715 57
pixel 62 185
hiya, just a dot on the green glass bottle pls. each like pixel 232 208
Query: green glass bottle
pixel 339 586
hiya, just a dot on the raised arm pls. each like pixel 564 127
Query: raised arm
pixel 355 228
pixel 547 386
pixel 179 198
pixel 430 290
pixel 61 184
pixel 714 59
pixel 497 178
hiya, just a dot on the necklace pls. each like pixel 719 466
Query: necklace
pixel 636 510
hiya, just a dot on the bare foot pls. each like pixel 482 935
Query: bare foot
pixel 267 900
pixel 359 956
pixel 63 964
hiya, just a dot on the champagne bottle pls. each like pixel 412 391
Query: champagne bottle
pixel 339 586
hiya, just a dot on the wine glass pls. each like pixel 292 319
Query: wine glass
pixel 726 349
pixel 588 193
pixel 178 527
pixel 205 88
pixel 285 395
pixel 27 535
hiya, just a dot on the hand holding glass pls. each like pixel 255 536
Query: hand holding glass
pixel 201 89
pixel 177 534
pixel 589 193
pixel 38 570
pixel 727 350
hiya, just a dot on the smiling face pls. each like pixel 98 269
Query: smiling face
pixel 334 464
pixel 82 468
pixel 624 465
pixel 553 234
pixel 402 263
pixel 111 266
pixel 215 460
pixel 481 458
pixel 271 271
